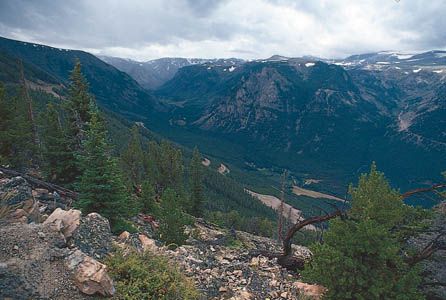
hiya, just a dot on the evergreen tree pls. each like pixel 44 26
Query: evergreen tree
pixel 133 158
pixel 361 254
pixel 59 161
pixel 196 184
pixel 147 200
pixel 78 106
pixel 20 134
pixel 6 116
pixel 164 165
pixel 172 219
pixel 101 188
pixel 170 167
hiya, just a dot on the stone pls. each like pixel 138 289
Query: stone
pixel 19 213
pixel 312 291
pixel 222 289
pixel 93 237
pixel 90 276
pixel 147 243
pixel 64 221
pixel 124 236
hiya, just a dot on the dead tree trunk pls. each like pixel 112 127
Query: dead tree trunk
pixel 287 259
pixel 40 183
pixel 280 211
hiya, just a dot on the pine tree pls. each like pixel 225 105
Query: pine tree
pixel 164 166
pixel 101 188
pixel 172 219
pixel 78 106
pixel 361 254
pixel 133 158
pixel 170 167
pixel 196 184
pixel 20 134
pixel 5 122
pixel 59 161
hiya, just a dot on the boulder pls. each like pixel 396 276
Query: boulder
pixel 67 222
pixel 147 243
pixel 124 236
pixel 90 276
pixel 312 291
pixel 93 236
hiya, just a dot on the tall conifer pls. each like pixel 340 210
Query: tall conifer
pixel 59 161
pixel 196 184
pixel 101 188
pixel 133 158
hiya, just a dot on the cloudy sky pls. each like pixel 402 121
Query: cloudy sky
pixel 147 29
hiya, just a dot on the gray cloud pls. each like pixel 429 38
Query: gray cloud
pixel 143 29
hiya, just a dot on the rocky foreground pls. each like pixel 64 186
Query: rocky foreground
pixel 49 251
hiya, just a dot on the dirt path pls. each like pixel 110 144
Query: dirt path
pixel 313 194
pixel 289 211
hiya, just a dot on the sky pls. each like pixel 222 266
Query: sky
pixel 249 29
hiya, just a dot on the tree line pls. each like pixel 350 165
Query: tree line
pixel 73 149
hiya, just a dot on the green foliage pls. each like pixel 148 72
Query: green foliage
pixel 78 107
pixel 164 165
pixel 196 184
pixel 147 276
pixel 361 255
pixel 101 187
pixel 147 199
pixel 172 219
pixel 17 145
pixel 120 225
pixel 133 158
pixel 59 161
pixel 6 116
pixel 235 220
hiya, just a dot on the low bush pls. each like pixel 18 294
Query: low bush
pixel 148 276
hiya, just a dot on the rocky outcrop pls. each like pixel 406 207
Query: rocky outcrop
pixel 434 268
pixel 32 264
pixel 23 203
pixel 49 257
pixel 224 267
pixel 90 276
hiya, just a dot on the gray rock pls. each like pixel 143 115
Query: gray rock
pixel 433 268
pixel 93 236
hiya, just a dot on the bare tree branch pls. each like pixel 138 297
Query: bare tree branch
pixel 40 183
pixel 423 190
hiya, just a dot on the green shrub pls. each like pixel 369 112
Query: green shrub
pixel 148 276
pixel 172 219
pixel 121 225
pixel 361 254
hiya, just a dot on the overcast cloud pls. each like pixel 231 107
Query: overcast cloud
pixel 147 29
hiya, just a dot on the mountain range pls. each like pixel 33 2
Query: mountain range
pixel 321 119
pixel 327 119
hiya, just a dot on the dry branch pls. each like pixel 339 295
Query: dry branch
pixel 423 190
pixel 40 183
